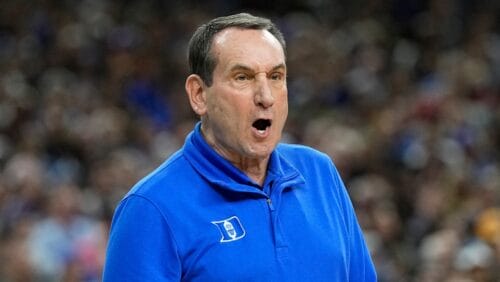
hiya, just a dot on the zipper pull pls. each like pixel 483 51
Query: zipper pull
pixel 270 204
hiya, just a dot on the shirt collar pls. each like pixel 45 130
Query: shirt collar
pixel 219 171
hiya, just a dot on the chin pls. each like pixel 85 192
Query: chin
pixel 262 151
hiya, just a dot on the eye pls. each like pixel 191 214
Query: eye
pixel 277 76
pixel 242 77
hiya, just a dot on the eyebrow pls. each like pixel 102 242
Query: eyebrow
pixel 247 68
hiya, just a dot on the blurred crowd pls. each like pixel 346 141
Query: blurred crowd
pixel 403 95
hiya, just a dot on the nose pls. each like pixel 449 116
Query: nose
pixel 263 95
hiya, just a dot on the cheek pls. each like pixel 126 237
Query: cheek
pixel 222 112
pixel 234 107
pixel 283 108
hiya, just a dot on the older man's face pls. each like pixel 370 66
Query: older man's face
pixel 246 106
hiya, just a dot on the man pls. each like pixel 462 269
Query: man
pixel 233 204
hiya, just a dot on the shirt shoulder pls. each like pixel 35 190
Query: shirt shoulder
pixel 299 155
pixel 165 177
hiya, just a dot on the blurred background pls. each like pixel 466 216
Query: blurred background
pixel 403 95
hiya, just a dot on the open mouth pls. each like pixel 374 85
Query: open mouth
pixel 261 124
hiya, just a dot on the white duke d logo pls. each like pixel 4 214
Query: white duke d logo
pixel 230 229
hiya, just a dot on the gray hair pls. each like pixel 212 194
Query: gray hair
pixel 201 61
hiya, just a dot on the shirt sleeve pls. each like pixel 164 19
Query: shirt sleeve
pixel 141 246
pixel 361 267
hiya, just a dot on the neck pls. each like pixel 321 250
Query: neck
pixel 256 169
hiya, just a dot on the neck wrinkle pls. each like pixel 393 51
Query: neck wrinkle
pixel 255 169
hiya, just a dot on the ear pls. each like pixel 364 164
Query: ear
pixel 195 90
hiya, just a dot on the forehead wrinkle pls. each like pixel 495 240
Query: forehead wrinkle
pixel 243 67
pixel 236 52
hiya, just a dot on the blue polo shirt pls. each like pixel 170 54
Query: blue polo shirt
pixel 199 218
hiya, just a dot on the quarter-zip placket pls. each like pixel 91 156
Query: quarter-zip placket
pixel 270 204
pixel 273 199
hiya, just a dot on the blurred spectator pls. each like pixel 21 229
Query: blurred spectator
pixel 66 245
